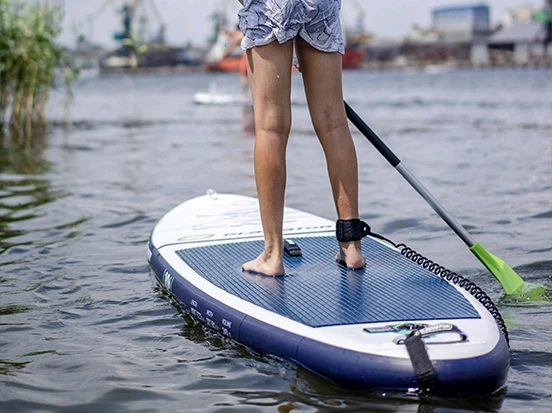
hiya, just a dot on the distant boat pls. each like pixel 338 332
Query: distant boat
pixel 216 51
pixel 231 63
pixel 353 58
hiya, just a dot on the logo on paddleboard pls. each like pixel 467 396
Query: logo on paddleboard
pixel 168 280
pixel 196 237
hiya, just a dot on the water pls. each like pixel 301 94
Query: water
pixel 84 328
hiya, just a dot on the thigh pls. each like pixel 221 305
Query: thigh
pixel 322 78
pixel 269 69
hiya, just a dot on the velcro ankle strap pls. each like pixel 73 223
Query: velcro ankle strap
pixel 351 230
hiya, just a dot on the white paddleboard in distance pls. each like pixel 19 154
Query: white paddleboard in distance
pixel 348 326
pixel 214 98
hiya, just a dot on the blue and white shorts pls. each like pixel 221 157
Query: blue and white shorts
pixel 316 21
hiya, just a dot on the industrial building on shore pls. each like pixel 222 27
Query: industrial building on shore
pixel 464 35
pixel 458 36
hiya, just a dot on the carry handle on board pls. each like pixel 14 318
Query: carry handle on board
pixel 511 282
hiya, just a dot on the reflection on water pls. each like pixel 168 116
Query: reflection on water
pixel 9 367
pixel 22 201
pixel 23 156
pixel 13 309
pixel 83 326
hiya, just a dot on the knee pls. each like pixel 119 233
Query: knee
pixel 328 119
pixel 274 121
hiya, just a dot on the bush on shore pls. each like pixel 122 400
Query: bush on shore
pixel 29 57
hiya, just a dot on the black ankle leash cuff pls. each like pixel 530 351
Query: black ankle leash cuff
pixel 351 230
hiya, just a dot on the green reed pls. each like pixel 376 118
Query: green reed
pixel 29 58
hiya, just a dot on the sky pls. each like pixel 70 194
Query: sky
pixel 188 20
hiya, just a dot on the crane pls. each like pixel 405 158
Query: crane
pixel 160 38
pixel 361 15
pixel 129 11
pixel 93 16
pixel 359 34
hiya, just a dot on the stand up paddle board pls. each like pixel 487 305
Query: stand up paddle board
pixel 401 323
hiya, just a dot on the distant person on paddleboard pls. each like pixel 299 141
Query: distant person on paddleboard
pixel 272 30
pixel 234 38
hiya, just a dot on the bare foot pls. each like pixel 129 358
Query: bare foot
pixel 350 255
pixel 271 266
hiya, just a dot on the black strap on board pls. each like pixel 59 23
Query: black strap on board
pixel 423 369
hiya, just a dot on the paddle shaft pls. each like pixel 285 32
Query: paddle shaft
pixel 410 178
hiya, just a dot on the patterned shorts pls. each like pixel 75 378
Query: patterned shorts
pixel 316 21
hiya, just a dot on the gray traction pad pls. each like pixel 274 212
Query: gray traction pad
pixel 318 292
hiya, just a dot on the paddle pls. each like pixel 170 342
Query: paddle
pixel 511 282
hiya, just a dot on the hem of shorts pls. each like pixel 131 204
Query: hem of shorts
pixel 326 50
pixel 274 38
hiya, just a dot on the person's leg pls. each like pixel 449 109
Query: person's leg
pixel 243 75
pixel 269 70
pixel 322 80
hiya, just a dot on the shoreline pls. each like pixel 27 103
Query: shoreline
pixel 365 66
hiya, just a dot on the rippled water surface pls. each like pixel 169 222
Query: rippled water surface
pixel 83 325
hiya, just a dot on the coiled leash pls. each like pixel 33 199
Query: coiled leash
pixel 463 282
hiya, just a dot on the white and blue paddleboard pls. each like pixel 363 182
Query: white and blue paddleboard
pixel 394 325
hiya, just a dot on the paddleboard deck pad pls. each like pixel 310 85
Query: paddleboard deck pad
pixel 395 324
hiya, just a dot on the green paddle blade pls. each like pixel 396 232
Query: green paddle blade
pixel 511 282
pixel 534 292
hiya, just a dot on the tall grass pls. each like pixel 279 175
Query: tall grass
pixel 29 56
